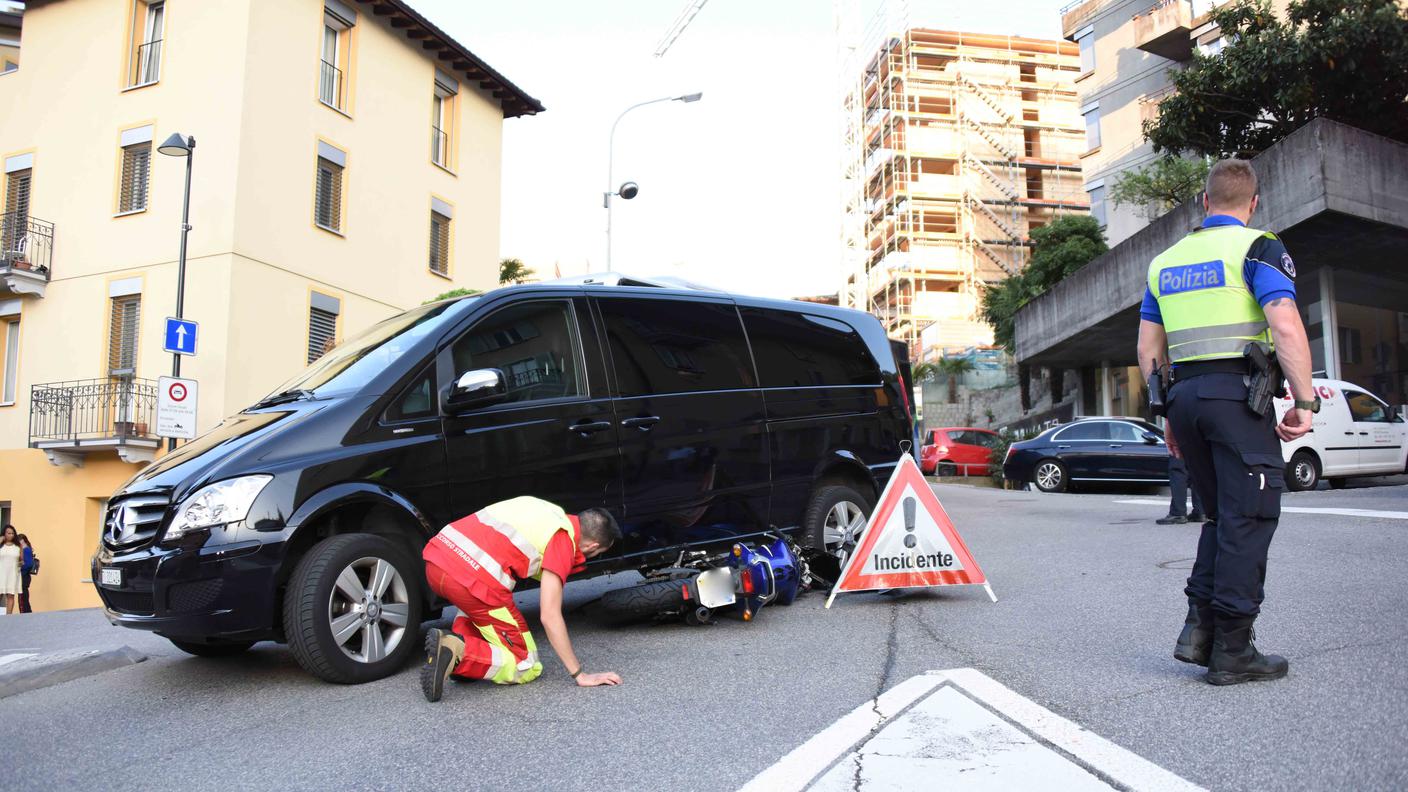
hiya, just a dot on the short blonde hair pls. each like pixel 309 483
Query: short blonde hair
pixel 1231 183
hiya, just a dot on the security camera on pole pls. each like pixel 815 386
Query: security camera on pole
pixel 627 190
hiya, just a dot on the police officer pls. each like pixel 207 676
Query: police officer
pixel 1218 289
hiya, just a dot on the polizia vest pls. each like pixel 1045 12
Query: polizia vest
pixel 1208 311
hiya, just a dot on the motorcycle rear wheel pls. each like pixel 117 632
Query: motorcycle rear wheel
pixel 643 602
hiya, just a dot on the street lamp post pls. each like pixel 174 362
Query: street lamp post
pixel 611 189
pixel 179 145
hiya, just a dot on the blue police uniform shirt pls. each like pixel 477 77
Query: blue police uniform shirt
pixel 1268 271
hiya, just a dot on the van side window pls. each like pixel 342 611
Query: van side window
pixel 799 350
pixel 1365 408
pixel 416 401
pixel 675 346
pixel 533 343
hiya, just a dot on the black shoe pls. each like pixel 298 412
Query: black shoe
pixel 1195 642
pixel 1197 518
pixel 443 651
pixel 1172 519
pixel 1235 658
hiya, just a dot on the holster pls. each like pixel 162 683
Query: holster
pixel 1264 379
pixel 1158 394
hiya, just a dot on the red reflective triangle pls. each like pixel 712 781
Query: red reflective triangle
pixel 930 516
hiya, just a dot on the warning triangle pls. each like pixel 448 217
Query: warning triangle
pixel 909 541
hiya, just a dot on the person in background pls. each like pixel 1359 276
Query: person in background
pixel 26 572
pixel 1178 489
pixel 11 556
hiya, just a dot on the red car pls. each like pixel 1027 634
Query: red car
pixel 958 451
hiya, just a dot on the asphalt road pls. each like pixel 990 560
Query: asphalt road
pixel 1090 602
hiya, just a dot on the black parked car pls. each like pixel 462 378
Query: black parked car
pixel 1090 449
pixel 698 418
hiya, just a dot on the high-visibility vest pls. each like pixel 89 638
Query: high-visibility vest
pixel 504 542
pixel 1208 311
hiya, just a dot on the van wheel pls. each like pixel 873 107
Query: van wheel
pixel 353 609
pixel 834 521
pixel 212 649
pixel 1050 476
pixel 1303 473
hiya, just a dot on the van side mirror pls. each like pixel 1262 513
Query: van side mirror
pixel 477 388
pixel 1151 438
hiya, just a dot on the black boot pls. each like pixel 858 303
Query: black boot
pixel 1235 658
pixel 1195 642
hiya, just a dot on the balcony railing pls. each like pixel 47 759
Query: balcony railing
pixel 439 147
pixel 1076 14
pixel 330 86
pixel 1165 29
pixel 68 420
pixel 146 64
pixel 26 253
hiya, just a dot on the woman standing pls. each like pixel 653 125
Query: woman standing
pixel 27 571
pixel 11 556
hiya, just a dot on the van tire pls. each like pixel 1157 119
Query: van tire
pixel 827 497
pixel 308 604
pixel 212 649
pixel 643 602
pixel 1303 472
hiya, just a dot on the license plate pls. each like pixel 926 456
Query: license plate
pixel 110 576
pixel 716 587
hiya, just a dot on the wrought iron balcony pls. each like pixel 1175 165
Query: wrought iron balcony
pixel 330 86
pixel 26 254
pixel 70 420
pixel 1165 29
pixel 439 147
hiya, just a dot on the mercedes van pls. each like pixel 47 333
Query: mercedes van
pixel 698 418
pixel 1355 434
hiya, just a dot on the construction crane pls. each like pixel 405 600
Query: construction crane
pixel 681 22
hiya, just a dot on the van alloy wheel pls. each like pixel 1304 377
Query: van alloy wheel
pixel 844 524
pixel 368 609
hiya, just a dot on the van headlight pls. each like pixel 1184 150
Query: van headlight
pixel 220 503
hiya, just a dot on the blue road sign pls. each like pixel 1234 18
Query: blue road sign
pixel 180 336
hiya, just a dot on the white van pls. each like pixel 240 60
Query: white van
pixel 1354 434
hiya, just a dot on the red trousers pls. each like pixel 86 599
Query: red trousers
pixel 497 643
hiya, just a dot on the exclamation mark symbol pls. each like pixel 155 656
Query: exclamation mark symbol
pixel 910 507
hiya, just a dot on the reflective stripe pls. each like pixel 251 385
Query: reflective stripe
pixel 477 554
pixel 1221 347
pixel 534 556
pixel 1247 330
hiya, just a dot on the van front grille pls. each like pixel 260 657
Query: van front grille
pixel 133 521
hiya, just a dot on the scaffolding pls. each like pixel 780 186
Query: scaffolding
pixel 955 146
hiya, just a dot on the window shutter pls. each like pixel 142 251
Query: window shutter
pixel 17 192
pixel 322 332
pixel 439 243
pixel 122 335
pixel 329 195
pixel 136 174
pixel 15 223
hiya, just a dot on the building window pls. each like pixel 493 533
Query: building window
pixel 148 23
pixel 14 224
pixel 442 118
pixel 136 170
pixel 11 358
pixel 1212 48
pixel 338 21
pixel 1091 114
pixel 9 67
pixel 1085 39
pixel 322 324
pixel 1096 191
pixel 327 205
pixel 441 215
pixel 122 335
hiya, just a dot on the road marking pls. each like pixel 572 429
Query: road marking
pixel 10 658
pixel 1382 515
pixel 962 727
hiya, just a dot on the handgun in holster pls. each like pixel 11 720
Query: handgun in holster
pixel 1264 380
pixel 1158 394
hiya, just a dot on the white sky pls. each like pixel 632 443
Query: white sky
pixel 738 190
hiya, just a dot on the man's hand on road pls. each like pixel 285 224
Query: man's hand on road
pixel 1295 424
pixel 592 680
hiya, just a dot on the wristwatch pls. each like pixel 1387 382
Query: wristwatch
pixel 1313 405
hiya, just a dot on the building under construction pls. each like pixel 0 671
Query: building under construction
pixel 957 146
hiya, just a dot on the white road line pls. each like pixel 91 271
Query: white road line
pixel 1382 515
pixel 10 658
pixel 942 723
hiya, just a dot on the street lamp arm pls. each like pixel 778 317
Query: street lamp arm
pixel 611 159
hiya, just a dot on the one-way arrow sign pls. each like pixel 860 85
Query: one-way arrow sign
pixel 180 336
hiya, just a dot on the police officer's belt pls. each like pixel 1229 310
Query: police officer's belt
pixel 1197 368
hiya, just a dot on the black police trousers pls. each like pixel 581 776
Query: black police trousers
pixel 1234 462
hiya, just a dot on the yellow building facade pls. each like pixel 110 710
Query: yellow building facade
pixel 346 167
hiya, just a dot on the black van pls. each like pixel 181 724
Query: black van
pixel 696 417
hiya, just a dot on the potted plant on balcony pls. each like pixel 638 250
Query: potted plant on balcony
pixel 20 264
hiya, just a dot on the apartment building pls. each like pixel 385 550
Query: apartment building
pixel 346 167
pixel 962 143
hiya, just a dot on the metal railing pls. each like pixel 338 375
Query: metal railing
pixel 26 243
pixel 439 146
pixel 330 86
pixel 146 64
pixel 98 409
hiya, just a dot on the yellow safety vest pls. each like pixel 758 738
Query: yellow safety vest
pixel 1208 311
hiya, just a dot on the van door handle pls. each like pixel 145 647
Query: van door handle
pixel 585 428
pixel 643 423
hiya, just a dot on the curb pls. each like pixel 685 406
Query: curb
pixel 43 671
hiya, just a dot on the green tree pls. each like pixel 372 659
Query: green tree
pixel 1345 60
pixel 461 292
pixel 512 270
pixel 923 372
pixel 953 368
pixel 1058 249
pixel 1162 184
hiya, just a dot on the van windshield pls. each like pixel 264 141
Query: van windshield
pixel 354 362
